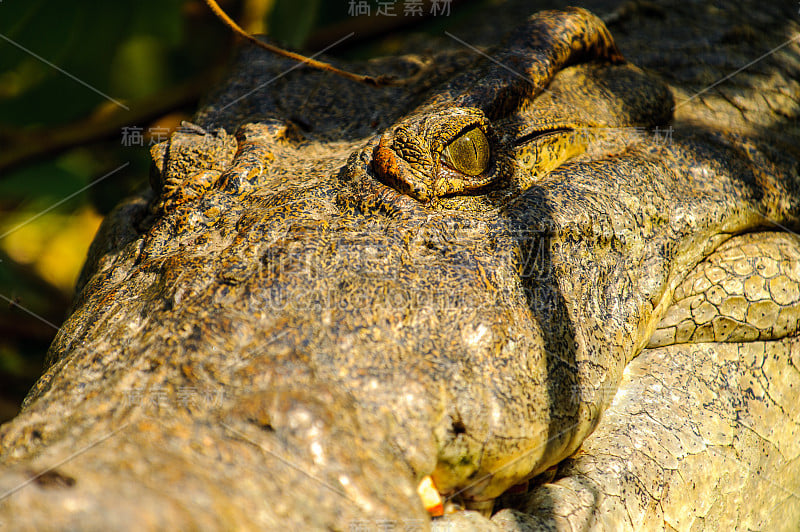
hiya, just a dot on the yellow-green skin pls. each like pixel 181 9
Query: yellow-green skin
pixel 362 315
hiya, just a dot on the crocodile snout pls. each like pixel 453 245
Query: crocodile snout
pixel 285 458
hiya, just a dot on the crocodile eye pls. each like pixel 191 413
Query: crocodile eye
pixel 468 153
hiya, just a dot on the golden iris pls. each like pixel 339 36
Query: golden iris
pixel 468 153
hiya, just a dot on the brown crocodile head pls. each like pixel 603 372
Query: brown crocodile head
pixel 354 292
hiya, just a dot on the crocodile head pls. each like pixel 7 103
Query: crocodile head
pixel 333 292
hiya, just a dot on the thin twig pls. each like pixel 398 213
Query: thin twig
pixel 380 81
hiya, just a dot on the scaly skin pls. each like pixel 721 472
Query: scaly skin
pixel 362 315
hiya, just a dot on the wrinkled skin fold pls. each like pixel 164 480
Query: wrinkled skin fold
pixel 313 309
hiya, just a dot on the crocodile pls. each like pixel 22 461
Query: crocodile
pixel 562 288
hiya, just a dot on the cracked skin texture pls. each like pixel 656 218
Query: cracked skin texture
pixel 311 310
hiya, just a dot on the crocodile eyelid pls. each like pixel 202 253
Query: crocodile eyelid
pixel 530 137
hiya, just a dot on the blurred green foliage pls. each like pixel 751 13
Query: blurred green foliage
pixel 291 22
pixel 127 51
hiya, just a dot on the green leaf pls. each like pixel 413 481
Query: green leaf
pixel 139 68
